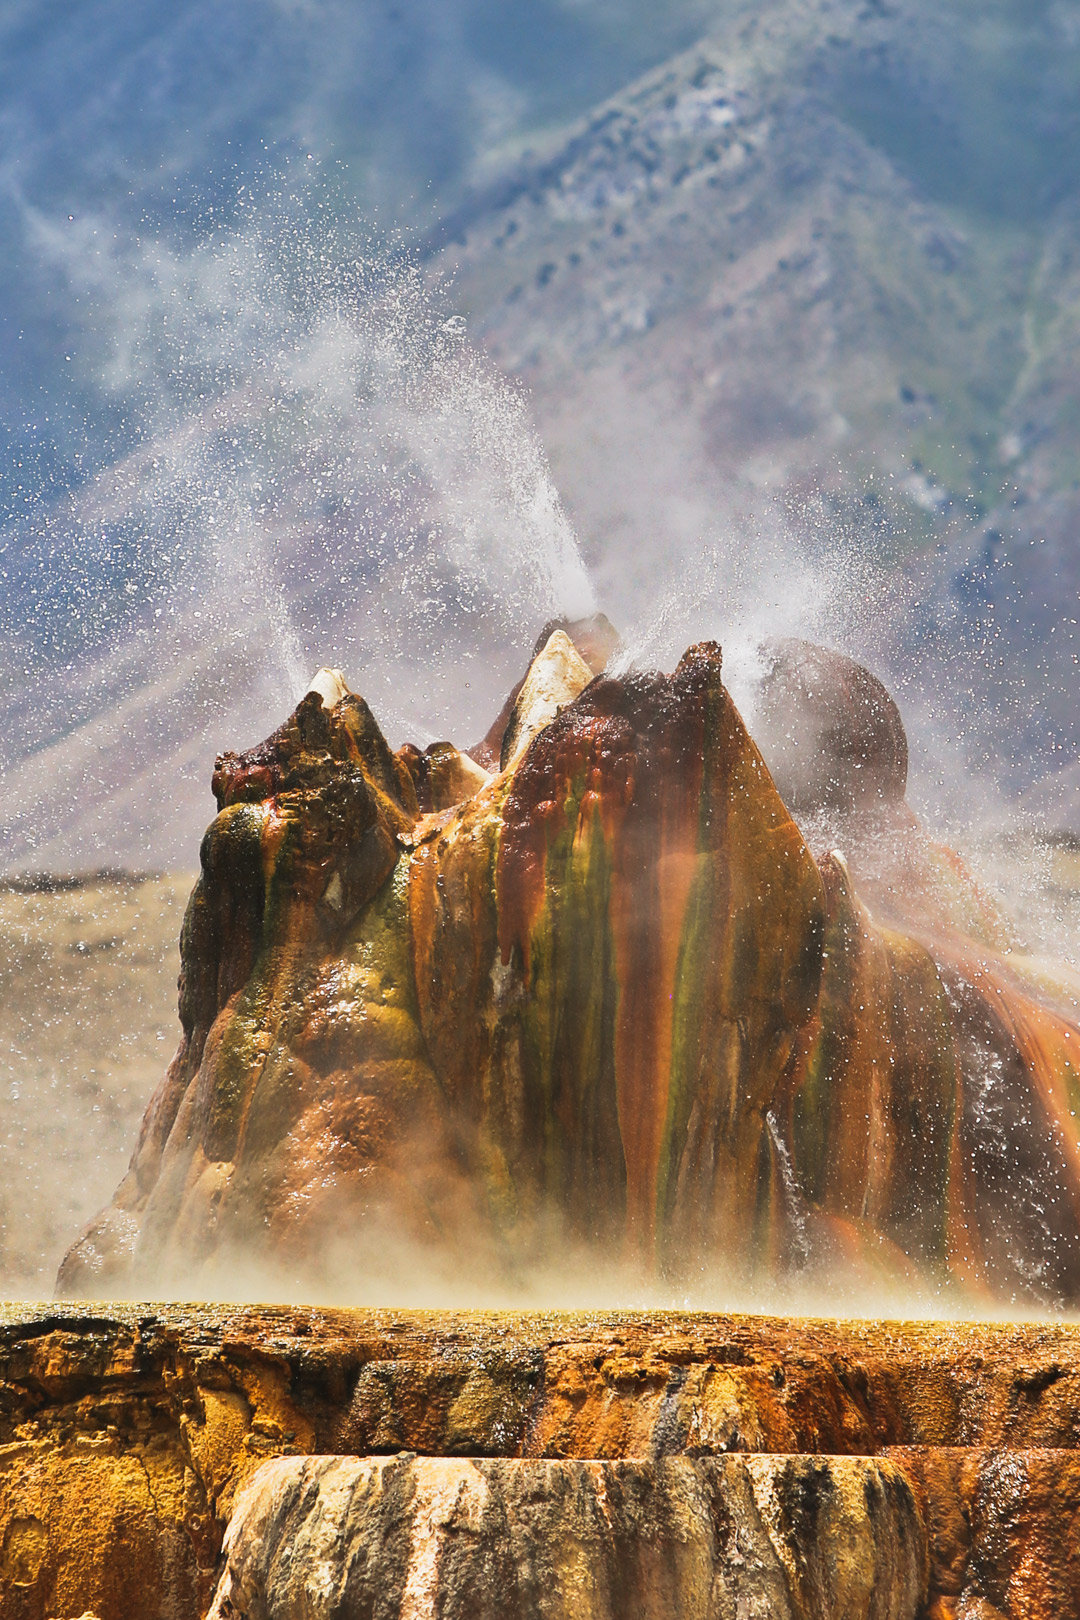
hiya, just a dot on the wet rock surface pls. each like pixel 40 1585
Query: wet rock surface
pixel 792 1538
pixel 831 733
pixel 604 993
pixel 128 1434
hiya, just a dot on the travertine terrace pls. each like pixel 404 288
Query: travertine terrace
pixel 817 1468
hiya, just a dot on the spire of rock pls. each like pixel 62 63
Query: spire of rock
pixel 556 676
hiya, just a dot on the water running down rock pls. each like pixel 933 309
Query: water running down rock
pixel 610 1000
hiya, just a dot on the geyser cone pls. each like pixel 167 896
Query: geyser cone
pixel 637 831
pixel 442 1026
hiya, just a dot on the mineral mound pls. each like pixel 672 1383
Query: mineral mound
pixel 602 986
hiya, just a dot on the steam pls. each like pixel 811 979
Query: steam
pixel 324 470
pixel 386 1270
pixel 784 569
pixel 297 382
pixel 314 465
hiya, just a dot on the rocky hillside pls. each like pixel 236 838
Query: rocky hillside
pixel 818 275
pixel 796 311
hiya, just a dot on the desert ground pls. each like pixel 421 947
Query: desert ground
pixel 87 1026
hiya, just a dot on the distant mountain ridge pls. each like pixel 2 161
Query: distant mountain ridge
pixel 798 312
pixel 745 277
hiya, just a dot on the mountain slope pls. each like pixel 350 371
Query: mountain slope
pixel 809 274
pixel 798 313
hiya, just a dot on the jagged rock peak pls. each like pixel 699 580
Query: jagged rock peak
pixel 557 675
pixel 331 686
pixel 596 640
pixel 320 739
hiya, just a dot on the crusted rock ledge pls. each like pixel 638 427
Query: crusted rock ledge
pixel 790 1538
pixel 128 1432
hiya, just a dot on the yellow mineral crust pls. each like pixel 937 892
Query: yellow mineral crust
pixel 128 1435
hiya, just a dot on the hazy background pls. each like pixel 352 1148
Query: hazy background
pixel 373 335
pixel 793 288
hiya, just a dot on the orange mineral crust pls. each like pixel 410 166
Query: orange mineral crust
pixel 625 1003
pixel 936 1462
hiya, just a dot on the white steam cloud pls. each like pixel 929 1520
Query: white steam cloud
pixel 324 470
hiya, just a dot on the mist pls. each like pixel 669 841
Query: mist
pixel 315 464
pixel 327 472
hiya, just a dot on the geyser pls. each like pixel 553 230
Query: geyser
pixel 454 1019
pixel 601 997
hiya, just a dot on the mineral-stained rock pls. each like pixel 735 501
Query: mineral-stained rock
pixel 782 1538
pixel 594 638
pixel 933 1110
pixel 128 1433
pixel 331 686
pixel 564 1002
pixel 610 1000
pixel 557 675
pixel 442 775
pixel 1003 1530
pixel 832 734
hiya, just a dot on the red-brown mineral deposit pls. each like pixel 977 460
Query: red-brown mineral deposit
pixel 607 996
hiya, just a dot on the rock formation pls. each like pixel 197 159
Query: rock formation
pixel 286 1462
pixel 576 1540
pixel 602 993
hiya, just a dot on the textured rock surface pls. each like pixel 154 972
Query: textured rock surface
pixel 782 1538
pixel 444 1028
pixel 126 1435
